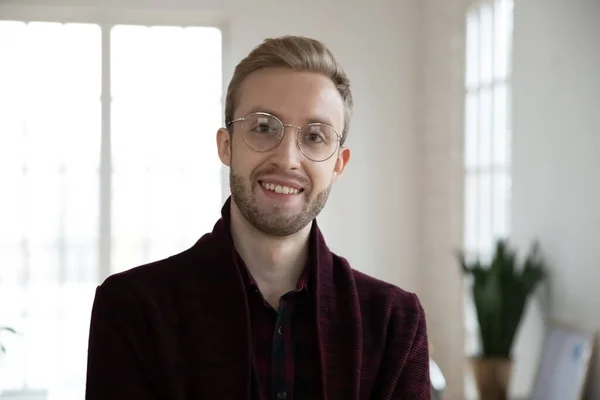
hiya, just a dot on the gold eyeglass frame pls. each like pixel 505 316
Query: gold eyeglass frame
pixel 298 129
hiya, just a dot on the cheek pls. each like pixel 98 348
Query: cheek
pixel 320 176
pixel 245 161
pixel 239 156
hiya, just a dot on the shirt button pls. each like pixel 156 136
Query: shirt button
pixel 280 332
pixel 282 395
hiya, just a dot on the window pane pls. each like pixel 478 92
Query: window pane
pixel 509 10
pixel 81 263
pixel 43 223
pixel 80 205
pixel 200 218
pixel 472 130
pixel 70 56
pixel 56 127
pixel 472 50
pixel 500 126
pixel 486 43
pixel 485 213
pixel 81 231
pixel 49 72
pixel 49 154
pixel 82 62
pixel 12 211
pixel 42 372
pixel 164 248
pixel 163 61
pixel 12 132
pixel 166 222
pixel 166 111
pixel 130 134
pixel 43 263
pixel 509 123
pixel 130 204
pixel 471 211
pixel 81 130
pixel 128 254
pixel 12 58
pixel 485 128
pixel 63 96
pixel 501 38
pixel 73 334
pixel 45 133
pixel 501 200
pixel 11 269
pixel 509 113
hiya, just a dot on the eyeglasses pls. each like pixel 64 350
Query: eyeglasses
pixel 263 132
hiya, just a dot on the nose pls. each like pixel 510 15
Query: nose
pixel 287 154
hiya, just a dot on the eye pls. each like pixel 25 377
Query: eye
pixel 263 125
pixel 262 128
pixel 315 138
pixel 316 134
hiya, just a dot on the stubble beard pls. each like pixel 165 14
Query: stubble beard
pixel 274 222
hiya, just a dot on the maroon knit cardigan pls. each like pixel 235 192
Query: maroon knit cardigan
pixel 178 329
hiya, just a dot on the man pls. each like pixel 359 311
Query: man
pixel 260 308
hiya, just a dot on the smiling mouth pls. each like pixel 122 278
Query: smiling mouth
pixel 280 189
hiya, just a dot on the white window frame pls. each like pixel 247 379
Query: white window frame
pixel 476 169
pixel 106 18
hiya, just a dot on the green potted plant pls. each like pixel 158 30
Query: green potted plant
pixel 500 291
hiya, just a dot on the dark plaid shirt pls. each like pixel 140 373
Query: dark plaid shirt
pixel 284 343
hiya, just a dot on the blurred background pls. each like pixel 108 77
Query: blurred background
pixel 474 120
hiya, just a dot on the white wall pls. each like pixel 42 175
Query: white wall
pixel 440 173
pixel 376 216
pixel 556 194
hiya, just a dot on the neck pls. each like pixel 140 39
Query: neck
pixel 275 262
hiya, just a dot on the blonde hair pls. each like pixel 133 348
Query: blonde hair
pixel 298 53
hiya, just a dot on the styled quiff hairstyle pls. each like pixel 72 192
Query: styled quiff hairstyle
pixel 298 53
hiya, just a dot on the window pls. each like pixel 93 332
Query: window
pixel 487 138
pixel 165 111
pixel 107 161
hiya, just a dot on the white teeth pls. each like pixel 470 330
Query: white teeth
pixel 280 189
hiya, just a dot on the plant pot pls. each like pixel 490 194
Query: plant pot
pixel 492 377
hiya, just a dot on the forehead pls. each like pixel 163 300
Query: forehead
pixel 295 97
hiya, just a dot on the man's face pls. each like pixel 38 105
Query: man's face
pixel 296 98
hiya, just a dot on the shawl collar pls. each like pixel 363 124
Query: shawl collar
pixel 339 326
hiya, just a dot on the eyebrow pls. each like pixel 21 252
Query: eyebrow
pixel 269 111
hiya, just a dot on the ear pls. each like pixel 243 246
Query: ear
pixel 224 146
pixel 341 161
